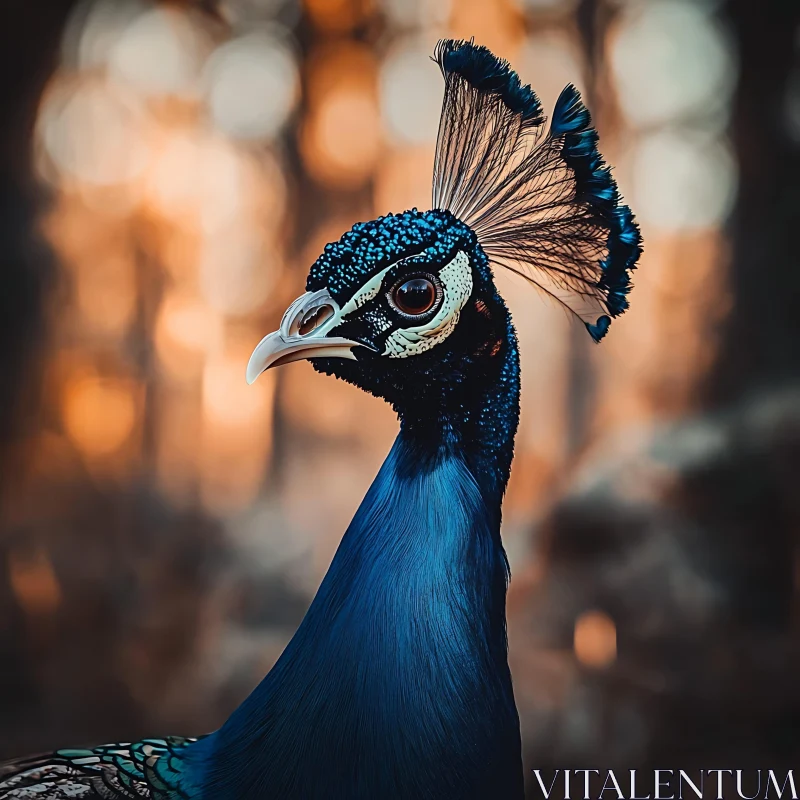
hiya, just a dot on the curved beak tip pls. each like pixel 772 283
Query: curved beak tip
pixel 274 350
pixel 266 352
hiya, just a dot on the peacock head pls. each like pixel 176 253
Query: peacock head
pixel 405 306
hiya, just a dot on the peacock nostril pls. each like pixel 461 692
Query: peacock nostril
pixel 313 318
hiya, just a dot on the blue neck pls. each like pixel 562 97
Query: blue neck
pixel 396 684
pixel 475 418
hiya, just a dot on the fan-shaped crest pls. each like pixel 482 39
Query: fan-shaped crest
pixel 542 203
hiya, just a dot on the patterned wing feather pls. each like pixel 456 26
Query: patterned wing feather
pixel 149 768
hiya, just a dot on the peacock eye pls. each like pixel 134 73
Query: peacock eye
pixel 414 296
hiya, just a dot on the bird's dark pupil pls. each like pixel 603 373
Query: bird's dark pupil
pixel 415 296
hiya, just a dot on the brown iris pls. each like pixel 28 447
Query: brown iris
pixel 414 296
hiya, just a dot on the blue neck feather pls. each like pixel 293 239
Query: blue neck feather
pixel 396 684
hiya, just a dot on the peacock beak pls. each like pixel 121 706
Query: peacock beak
pixel 302 334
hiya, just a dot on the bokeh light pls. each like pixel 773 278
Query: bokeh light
pixel 94 28
pixel 672 61
pixel 341 139
pixel 417 13
pixel 252 84
pixel 33 581
pixel 595 639
pixel 553 56
pixel 161 52
pixel 94 132
pixel 99 413
pixel 197 178
pixel 682 181
pixel 187 331
pixel 411 98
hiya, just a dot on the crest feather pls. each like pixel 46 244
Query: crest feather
pixel 542 202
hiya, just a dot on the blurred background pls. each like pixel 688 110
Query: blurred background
pixel 168 173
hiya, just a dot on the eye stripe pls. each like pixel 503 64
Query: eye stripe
pixel 366 293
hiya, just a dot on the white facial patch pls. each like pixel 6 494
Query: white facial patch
pixel 456 280
pixel 366 293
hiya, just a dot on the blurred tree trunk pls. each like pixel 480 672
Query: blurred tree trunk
pixel 31 34
pixel 760 339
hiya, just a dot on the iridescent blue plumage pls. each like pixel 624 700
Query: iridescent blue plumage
pixel 397 682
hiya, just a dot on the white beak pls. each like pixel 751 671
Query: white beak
pixel 302 335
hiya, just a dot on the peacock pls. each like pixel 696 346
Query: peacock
pixel 397 684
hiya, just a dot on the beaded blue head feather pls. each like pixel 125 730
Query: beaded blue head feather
pixel 542 203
